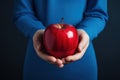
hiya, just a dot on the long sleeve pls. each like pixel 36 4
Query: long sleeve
pixel 95 17
pixel 25 19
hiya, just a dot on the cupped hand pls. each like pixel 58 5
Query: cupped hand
pixel 82 47
pixel 40 50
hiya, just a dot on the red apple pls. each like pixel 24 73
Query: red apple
pixel 60 40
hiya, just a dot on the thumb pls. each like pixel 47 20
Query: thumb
pixel 83 42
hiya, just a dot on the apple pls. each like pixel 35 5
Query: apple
pixel 60 40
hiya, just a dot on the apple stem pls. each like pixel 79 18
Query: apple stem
pixel 62 20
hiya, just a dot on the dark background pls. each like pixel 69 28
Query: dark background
pixel 13 44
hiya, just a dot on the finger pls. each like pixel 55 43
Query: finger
pixel 38 46
pixel 59 63
pixel 76 56
pixel 50 59
pixel 83 42
pixel 66 61
pixel 63 60
pixel 46 57
pixel 73 58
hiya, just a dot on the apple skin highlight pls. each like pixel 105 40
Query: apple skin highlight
pixel 60 40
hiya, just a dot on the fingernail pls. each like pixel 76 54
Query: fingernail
pixel 61 66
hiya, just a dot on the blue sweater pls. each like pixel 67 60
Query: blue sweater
pixel 32 15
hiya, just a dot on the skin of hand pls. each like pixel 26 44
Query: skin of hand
pixel 82 47
pixel 40 51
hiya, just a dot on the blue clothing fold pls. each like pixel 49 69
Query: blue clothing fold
pixel 32 15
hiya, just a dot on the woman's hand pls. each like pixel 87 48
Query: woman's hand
pixel 82 47
pixel 38 46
